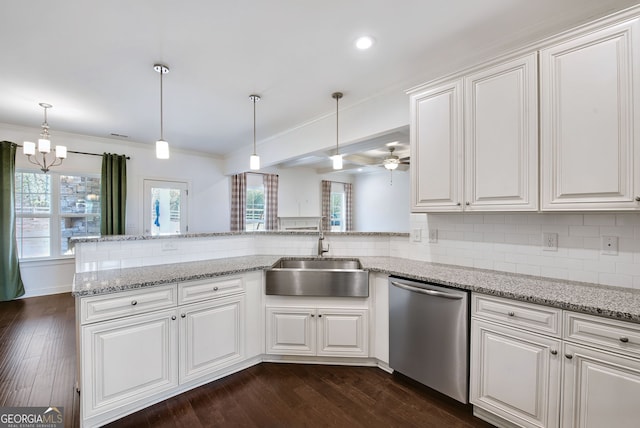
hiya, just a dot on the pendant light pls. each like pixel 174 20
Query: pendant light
pixel 44 147
pixel 162 147
pixel 337 158
pixel 254 160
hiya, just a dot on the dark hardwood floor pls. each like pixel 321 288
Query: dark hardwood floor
pixel 38 354
pixel 37 368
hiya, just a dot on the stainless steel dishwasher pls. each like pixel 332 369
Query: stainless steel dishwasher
pixel 429 335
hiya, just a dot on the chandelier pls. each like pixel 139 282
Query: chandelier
pixel 42 158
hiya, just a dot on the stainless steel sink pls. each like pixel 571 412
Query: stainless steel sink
pixel 317 277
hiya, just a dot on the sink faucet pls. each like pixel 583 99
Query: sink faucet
pixel 321 249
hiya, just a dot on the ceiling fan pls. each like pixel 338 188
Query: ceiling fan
pixel 392 162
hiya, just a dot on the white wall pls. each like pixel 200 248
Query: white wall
pixel 208 200
pixel 379 205
pixel 513 243
pixel 299 191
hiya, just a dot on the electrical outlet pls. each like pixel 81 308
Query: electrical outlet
pixel 549 241
pixel 610 245
pixel 416 235
pixel 433 236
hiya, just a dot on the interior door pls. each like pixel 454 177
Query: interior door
pixel 165 207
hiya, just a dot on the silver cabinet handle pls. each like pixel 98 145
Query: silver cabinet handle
pixel 568 356
pixel 427 291
pixel 511 314
pixel 134 302
pixel 183 315
pixel 554 352
pixel 173 317
pixel 215 288
pixel 624 339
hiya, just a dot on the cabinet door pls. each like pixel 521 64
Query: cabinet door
pixel 127 360
pixel 211 336
pixel 590 121
pixel 501 137
pixel 343 332
pixel 515 374
pixel 291 330
pixel 436 148
pixel 600 389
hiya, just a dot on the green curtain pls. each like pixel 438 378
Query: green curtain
pixel 11 285
pixel 113 194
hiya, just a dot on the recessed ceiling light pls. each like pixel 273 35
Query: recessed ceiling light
pixel 393 143
pixel 364 42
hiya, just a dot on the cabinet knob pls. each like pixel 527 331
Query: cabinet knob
pixel 624 339
pixel 320 316
pixel 511 314
pixel 183 315
pixel 134 302
pixel 467 203
pixel 568 356
pixel 173 317
pixel 458 204
pixel 215 288
pixel 554 352
pixel 312 315
pixel 637 198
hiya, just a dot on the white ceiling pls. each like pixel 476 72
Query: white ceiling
pixel 93 60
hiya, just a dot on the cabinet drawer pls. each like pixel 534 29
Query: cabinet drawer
pixel 196 291
pixel 537 318
pixel 100 308
pixel 606 333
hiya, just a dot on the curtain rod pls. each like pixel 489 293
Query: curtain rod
pixel 339 182
pixel 259 173
pixel 81 153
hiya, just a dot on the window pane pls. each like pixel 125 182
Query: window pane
pixel 255 208
pixel 165 211
pixel 33 237
pixel 33 193
pixel 337 212
pixel 77 226
pixel 79 194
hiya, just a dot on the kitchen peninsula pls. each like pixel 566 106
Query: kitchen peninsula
pixel 177 286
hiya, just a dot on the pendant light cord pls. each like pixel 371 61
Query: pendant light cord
pixel 337 96
pixel 161 109
pixel 254 125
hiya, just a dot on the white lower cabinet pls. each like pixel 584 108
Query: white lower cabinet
pixel 311 331
pixel 211 336
pixel 601 389
pixel 130 362
pixel 531 368
pixel 127 360
pixel 515 374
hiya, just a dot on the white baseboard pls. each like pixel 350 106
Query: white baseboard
pixel 46 291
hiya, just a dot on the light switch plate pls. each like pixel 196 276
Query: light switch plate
pixel 549 241
pixel 416 235
pixel 610 245
pixel 433 236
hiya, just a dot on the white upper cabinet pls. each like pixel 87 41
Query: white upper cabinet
pixel 436 148
pixel 475 141
pixel 501 137
pixel 590 121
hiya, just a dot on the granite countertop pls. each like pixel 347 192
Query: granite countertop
pixel 118 238
pixel 612 302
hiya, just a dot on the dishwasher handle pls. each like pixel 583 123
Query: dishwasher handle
pixel 427 291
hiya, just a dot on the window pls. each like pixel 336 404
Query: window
pixel 254 219
pixel 51 208
pixel 337 209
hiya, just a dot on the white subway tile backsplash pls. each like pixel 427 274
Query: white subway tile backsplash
pixel 600 220
pixel 615 279
pixel 584 231
pixel 528 269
